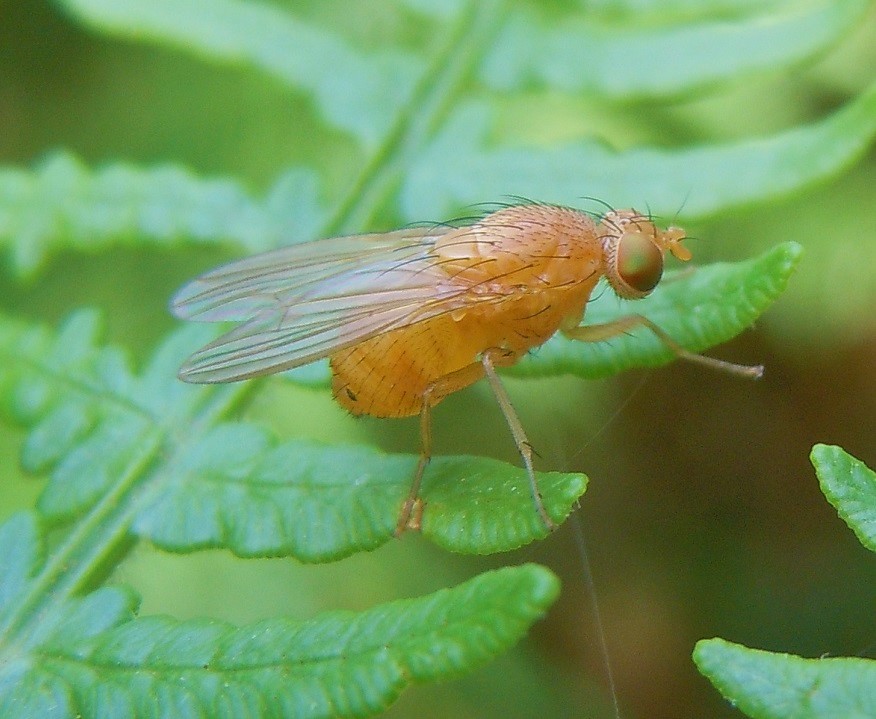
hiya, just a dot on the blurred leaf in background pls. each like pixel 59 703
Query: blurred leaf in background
pixel 146 141
pixel 771 685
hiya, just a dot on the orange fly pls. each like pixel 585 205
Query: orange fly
pixel 411 316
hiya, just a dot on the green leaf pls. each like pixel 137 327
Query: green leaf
pixel 21 542
pixel 477 506
pixel 765 685
pixel 781 686
pixel 355 91
pixel 28 626
pixel 432 148
pixel 441 9
pixel 63 204
pixel 661 11
pixel 698 308
pixel 701 181
pixel 89 656
pixel 94 423
pixel 315 374
pixel 616 59
pixel 850 486
pixel 236 488
pixel 103 432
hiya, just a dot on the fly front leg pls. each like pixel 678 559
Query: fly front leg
pixel 607 330
pixel 488 360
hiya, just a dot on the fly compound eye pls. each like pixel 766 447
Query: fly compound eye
pixel 638 263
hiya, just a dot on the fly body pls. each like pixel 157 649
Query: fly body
pixel 412 316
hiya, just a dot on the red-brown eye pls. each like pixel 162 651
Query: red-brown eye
pixel 639 262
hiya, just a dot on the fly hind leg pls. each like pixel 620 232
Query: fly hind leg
pixel 436 391
pixel 439 389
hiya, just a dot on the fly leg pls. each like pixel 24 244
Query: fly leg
pixel 488 360
pixel 600 332
pixel 444 386
pixel 407 518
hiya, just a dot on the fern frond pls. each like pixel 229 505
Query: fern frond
pixel 91 655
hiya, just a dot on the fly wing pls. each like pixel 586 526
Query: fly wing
pixel 239 290
pixel 308 301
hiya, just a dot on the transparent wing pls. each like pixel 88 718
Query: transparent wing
pixel 239 290
pixel 307 301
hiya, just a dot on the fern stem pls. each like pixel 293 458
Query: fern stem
pixel 435 91
pixel 103 533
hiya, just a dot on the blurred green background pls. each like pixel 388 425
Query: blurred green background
pixel 703 517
